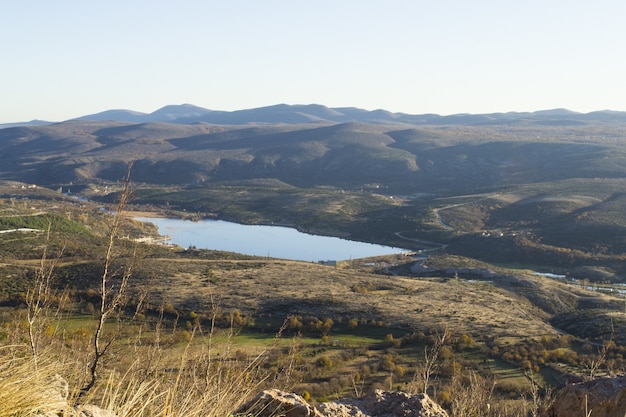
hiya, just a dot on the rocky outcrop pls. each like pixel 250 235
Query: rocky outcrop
pixel 90 410
pixel 604 397
pixel 384 404
pixel 57 394
pixel 274 403
pixel 87 410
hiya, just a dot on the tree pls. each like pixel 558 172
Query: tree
pixel 39 300
pixel 112 295
pixel 327 324
pixel 425 371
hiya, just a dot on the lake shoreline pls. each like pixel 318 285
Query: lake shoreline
pixel 277 241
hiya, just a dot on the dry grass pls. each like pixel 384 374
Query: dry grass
pixel 200 383
pixel 287 287
pixel 143 377
pixel 27 388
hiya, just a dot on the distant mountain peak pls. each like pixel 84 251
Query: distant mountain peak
pixel 556 112
pixel 121 115
pixel 317 113
pixel 174 112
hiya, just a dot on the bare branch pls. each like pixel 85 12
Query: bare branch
pixel 425 372
pixel 111 298
pixel 39 298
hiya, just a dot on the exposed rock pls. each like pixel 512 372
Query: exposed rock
pixel 275 403
pixel 384 404
pixel 605 397
pixel 54 396
pixel 57 394
pixel 90 410
pixel 59 388
pixel 85 410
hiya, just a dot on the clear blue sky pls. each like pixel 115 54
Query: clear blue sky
pixel 65 58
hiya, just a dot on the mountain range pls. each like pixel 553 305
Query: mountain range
pixel 315 113
pixel 318 146
pixel 557 174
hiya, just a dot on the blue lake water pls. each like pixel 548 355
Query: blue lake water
pixel 272 241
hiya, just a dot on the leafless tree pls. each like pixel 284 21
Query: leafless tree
pixel 113 293
pixel 39 299
pixel 425 371
pixel 472 395
pixel 600 358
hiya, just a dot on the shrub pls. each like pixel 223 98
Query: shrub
pixel 390 341
pixel 324 362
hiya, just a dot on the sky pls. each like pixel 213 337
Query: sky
pixel 65 58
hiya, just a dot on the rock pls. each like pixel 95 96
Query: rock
pixel 606 397
pixel 384 404
pixel 85 410
pixel 54 396
pixel 338 409
pixel 90 410
pixel 59 388
pixel 275 403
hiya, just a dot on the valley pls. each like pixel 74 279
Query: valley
pixel 515 228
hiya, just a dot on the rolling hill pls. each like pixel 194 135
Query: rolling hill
pixel 554 177
pixel 316 113
pixel 484 201
pixel 350 155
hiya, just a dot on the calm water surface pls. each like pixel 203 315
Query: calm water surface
pixel 273 241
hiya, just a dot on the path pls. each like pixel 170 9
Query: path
pixel 438 214
pixel 37 213
pixel 429 246
pixel 21 229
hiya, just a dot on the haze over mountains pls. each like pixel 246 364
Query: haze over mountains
pixel 314 113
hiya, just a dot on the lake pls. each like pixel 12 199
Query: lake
pixel 271 241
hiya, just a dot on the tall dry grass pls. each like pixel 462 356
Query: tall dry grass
pixel 207 379
pixel 27 386
pixel 105 369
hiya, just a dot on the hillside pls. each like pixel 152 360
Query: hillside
pixel 345 155
pixel 471 292
pixel 549 183
pixel 366 320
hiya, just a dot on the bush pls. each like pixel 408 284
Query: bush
pixel 390 341
pixel 324 362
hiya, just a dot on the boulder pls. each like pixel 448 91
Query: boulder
pixel 54 396
pixel 384 404
pixel 604 397
pixel 277 403
pixel 57 394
